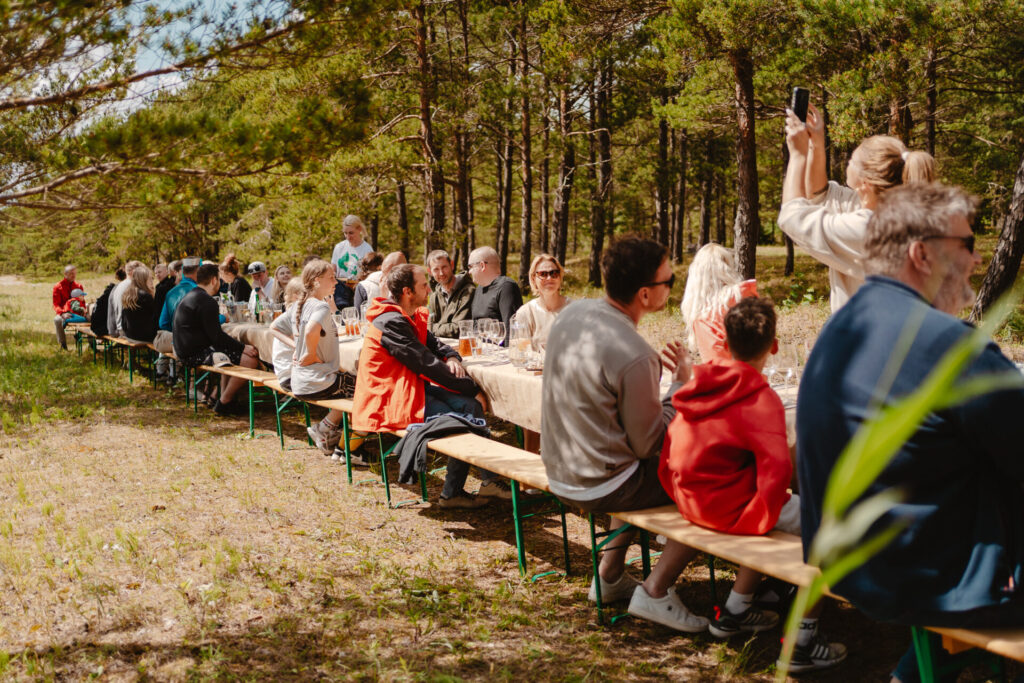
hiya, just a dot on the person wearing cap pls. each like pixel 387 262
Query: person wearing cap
pixel 263 286
pixel 62 297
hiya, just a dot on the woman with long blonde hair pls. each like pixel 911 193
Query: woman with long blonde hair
pixel 828 220
pixel 316 361
pixel 713 285
pixel 139 313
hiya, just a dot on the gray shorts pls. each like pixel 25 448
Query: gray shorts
pixel 642 490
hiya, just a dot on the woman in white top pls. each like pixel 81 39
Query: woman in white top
pixel 345 259
pixel 539 313
pixel 283 331
pixel 828 220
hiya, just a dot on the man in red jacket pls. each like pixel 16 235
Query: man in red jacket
pixel 406 375
pixel 725 462
pixel 62 303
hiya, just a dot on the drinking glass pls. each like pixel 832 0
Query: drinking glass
pixel 466 337
pixel 350 318
pixel 497 334
pixel 483 329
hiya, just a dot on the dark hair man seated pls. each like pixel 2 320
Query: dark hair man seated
pixel 406 375
pixel 199 340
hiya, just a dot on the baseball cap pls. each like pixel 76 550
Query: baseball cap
pixel 256 267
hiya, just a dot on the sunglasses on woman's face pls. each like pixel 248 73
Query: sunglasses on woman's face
pixel 547 274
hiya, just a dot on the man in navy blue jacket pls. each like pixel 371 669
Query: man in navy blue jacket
pixel 959 563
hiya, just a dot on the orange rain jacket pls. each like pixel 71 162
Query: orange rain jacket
pixel 398 355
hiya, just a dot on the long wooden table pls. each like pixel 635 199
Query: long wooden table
pixel 514 393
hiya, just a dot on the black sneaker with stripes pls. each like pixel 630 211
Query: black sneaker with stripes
pixel 817 654
pixel 754 620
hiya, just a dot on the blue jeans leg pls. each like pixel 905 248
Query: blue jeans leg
pixel 440 402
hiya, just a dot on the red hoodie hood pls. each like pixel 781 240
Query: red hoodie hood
pixel 715 386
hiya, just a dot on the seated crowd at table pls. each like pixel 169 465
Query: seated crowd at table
pixel 899 248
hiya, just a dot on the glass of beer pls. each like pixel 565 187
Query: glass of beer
pixel 467 337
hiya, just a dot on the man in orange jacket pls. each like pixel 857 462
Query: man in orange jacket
pixel 406 375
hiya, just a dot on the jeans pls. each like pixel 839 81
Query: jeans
pixel 60 322
pixel 438 402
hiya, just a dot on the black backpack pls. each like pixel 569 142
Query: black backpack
pixel 98 323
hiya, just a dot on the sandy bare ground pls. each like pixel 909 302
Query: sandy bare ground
pixel 142 541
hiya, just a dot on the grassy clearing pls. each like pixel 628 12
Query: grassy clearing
pixel 139 541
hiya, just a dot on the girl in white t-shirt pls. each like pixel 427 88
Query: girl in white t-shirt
pixel 345 260
pixel 828 220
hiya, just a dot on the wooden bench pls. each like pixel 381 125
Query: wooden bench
pixel 133 348
pixel 254 379
pixel 780 555
pixel 82 331
pixel 522 468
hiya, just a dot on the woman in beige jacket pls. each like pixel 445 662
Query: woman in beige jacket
pixel 829 220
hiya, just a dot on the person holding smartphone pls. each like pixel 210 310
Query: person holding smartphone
pixel 828 220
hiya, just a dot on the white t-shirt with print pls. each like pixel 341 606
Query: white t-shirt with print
pixel 345 259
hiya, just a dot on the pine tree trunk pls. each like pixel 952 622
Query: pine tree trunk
pixel 747 225
pixel 720 235
pixel 931 98
pixel 526 217
pixel 662 177
pixel 679 214
pixel 433 175
pixel 461 195
pixel 566 173
pixel 601 227
pixel 403 215
pixel 545 172
pixel 1007 257
pixel 790 256
pixel 707 177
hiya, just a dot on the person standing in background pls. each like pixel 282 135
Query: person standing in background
pixel 345 259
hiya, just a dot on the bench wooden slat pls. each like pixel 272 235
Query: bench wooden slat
pixel 515 463
pixel 122 341
pixel 776 554
pixel 1004 642
pixel 259 377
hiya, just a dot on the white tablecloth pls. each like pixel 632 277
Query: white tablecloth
pixel 514 393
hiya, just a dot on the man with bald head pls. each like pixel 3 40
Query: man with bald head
pixel 366 291
pixel 496 296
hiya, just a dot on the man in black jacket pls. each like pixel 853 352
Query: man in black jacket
pixel 199 340
pixel 496 296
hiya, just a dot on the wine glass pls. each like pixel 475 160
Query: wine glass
pixel 498 333
pixel 483 331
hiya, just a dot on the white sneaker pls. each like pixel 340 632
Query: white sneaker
pixel 613 592
pixel 667 611
pixel 325 438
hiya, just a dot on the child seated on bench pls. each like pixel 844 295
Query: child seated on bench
pixel 726 463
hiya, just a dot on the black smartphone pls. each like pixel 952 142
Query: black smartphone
pixel 798 103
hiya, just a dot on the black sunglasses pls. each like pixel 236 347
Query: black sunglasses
pixel 967 241
pixel 669 282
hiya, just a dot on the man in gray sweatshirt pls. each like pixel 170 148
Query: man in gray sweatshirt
pixel 603 423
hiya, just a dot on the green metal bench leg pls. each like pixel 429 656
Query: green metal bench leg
pixel 131 365
pixel 348 452
pixel 595 548
pixel 934 663
pixel 277 417
pixel 252 411
pixel 517 523
pixel 645 552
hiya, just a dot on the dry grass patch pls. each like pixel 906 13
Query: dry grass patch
pixel 139 541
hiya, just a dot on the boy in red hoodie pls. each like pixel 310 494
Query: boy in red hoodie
pixel 726 463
